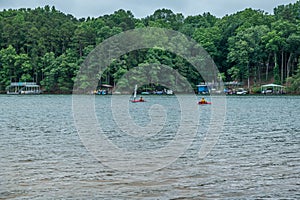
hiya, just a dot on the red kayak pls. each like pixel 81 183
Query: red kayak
pixel 138 100
pixel 203 103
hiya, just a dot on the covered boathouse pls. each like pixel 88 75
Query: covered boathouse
pixel 23 88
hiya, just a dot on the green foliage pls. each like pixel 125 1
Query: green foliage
pixel 246 48
pixel 256 90
pixel 47 46
pixel 234 73
pixel 294 82
pixel 276 74
pixel 209 38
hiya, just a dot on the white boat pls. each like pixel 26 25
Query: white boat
pixel 241 91
pixel 169 92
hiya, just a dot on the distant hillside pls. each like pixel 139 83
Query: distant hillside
pixel 47 46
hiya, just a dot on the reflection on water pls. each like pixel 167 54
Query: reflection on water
pixel 257 155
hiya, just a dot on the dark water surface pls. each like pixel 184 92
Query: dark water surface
pixel 257 154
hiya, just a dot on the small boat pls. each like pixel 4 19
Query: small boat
pixel 134 100
pixel 137 100
pixel 145 93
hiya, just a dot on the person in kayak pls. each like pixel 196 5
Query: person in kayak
pixel 141 99
pixel 202 101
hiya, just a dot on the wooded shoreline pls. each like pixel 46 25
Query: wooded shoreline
pixel 47 46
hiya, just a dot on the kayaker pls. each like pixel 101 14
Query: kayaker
pixel 202 101
pixel 141 99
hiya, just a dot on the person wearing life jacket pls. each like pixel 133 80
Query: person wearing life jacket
pixel 141 99
pixel 202 101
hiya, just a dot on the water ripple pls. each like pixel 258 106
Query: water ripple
pixel 256 157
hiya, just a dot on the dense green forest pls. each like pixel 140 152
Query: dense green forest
pixel 47 46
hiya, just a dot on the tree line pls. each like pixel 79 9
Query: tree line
pixel 47 46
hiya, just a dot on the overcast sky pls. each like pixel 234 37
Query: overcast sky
pixel 143 8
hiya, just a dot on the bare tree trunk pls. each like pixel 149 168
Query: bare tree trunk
pixel 259 73
pixel 276 69
pixel 268 64
pixel 282 66
pixel 295 65
pixel 288 66
pixel 248 75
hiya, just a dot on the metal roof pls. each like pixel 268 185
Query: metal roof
pixel 272 85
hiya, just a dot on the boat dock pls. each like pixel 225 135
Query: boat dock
pixel 23 88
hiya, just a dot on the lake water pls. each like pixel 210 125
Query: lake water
pixel 257 154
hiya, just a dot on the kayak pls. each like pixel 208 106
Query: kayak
pixel 203 103
pixel 134 96
pixel 138 100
